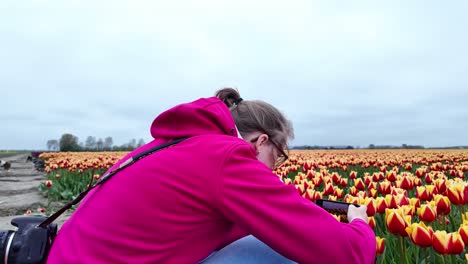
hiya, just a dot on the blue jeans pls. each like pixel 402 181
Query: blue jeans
pixel 246 250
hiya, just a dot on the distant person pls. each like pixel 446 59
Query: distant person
pixel 6 165
pixel 211 198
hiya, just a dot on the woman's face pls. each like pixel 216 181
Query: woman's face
pixel 267 151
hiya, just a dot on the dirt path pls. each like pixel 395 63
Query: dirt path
pixel 19 191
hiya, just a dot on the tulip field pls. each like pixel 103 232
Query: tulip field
pixel 416 199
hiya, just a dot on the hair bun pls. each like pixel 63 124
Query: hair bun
pixel 236 102
pixel 229 96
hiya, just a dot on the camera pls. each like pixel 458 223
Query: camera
pixel 29 244
pixel 337 208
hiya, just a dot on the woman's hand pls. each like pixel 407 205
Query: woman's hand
pixel 357 212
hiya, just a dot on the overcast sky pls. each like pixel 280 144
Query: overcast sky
pixel 345 72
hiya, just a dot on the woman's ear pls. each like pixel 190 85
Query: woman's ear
pixel 261 141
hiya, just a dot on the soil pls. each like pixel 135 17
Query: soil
pixel 19 191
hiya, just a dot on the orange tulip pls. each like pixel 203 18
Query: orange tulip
pixel 427 212
pixel 397 222
pixel 456 244
pixel 440 242
pixel 420 234
pixel 380 245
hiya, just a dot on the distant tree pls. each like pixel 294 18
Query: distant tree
pixel 90 143
pixel 108 142
pixel 372 146
pixel 141 142
pixel 99 144
pixel 132 144
pixel 52 145
pixel 69 142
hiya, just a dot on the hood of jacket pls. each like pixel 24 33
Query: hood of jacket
pixel 200 117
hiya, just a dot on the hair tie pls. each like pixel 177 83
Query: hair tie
pixel 236 102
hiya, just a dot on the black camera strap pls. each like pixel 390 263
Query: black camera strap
pixel 105 178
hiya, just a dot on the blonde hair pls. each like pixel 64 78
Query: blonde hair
pixel 255 115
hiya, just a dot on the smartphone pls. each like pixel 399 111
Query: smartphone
pixel 337 208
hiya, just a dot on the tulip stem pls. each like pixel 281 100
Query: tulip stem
pixel 417 255
pixel 402 250
pixel 425 255
pixel 462 212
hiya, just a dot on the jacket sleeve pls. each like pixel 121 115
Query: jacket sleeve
pixel 254 198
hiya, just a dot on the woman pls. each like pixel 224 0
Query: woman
pixel 211 198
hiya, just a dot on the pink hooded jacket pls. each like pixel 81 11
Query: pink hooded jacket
pixel 180 204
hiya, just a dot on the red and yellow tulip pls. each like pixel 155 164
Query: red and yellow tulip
pixel 420 234
pixel 455 194
pixel 455 244
pixel 380 245
pixel 440 242
pixel 427 212
pixel 442 203
pixel 397 221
